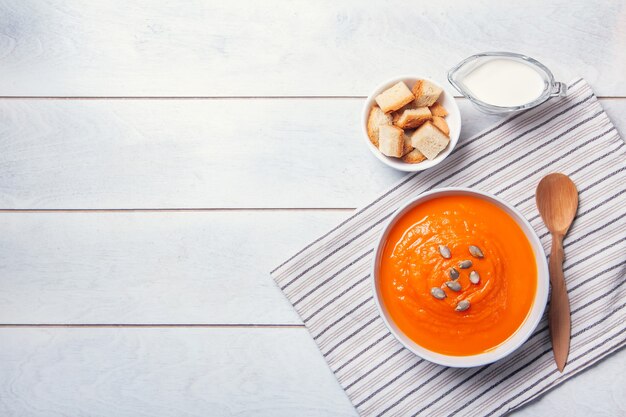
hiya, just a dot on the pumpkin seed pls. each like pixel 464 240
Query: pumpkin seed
pixel 454 274
pixel 474 277
pixel 454 285
pixel 475 251
pixel 465 264
pixel 445 251
pixel 462 305
pixel 437 293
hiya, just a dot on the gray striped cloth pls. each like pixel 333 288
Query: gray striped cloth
pixel 329 285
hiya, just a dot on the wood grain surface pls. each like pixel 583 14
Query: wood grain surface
pixel 137 154
pixel 208 267
pixel 214 372
pixel 165 372
pixel 269 48
pixel 158 158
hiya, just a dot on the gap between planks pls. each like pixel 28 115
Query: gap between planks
pixel 154 325
pixel 210 97
pixel 179 97
pixel 159 210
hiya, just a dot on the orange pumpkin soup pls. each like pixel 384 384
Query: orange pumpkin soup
pixel 412 268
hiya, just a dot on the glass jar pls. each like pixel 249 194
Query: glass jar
pixel 459 72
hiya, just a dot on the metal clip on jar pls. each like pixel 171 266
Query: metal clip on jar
pixel 504 82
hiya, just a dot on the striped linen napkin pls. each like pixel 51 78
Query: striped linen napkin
pixel 329 285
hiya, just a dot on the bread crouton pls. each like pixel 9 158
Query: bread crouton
pixel 429 140
pixel 376 119
pixel 426 93
pixel 394 97
pixel 438 110
pixel 391 140
pixel 413 157
pixel 395 115
pixel 412 118
pixel 440 123
pixel 408 146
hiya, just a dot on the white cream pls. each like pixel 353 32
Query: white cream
pixel 504 82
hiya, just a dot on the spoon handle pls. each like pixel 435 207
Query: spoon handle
pixel 559 314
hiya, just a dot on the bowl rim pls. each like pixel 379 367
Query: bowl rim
pixel 397 163
pixel 523 332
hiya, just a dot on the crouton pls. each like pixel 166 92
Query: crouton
pixel 376 119
pixel 440 123
pixel 412 118
pixel 391 140
pixel 438 110
pixel 394 97
pixel 413 157
pixel 429 140
pixel 408 146
pixel 426 93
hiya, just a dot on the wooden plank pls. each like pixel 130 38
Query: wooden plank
pixel 251 48
pixel 214 372
pixel 165 372
pixel 112 154
pixel 146 268
pixel 186 154
pixel 598 391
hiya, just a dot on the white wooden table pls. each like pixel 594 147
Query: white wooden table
pixel 158 158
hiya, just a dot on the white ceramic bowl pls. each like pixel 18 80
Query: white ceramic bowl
pixel 522 333
pixel 453 119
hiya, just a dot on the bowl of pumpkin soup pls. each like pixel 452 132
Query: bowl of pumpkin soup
pixel 460 277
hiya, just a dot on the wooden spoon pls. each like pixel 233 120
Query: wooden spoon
pixel 557 201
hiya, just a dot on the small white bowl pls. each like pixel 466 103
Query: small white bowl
pixel 453 119
pixel 521 334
